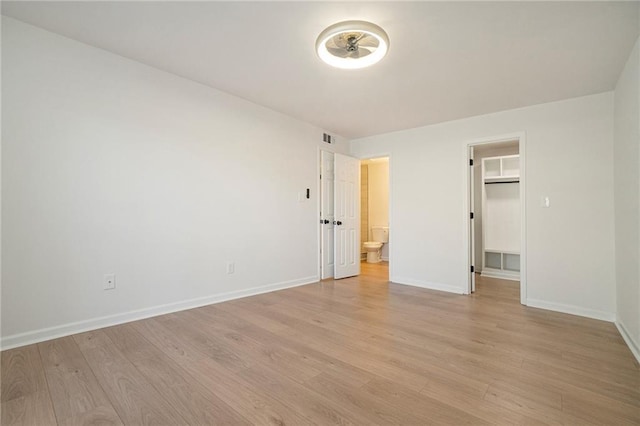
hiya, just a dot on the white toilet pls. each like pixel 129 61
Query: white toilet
pixel 380 236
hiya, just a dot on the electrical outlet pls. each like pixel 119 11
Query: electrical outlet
pixel 109 281
pixel 231 267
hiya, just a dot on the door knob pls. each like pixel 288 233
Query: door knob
pixel 337 222
pixel 325 221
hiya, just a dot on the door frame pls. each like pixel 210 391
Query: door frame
pixel 472 222
pixel 521 138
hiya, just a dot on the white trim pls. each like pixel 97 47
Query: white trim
pixel 521 138
pixel 36 336
pixel 572 309
pixel 319 204
pixel 426 284
pixel 635 349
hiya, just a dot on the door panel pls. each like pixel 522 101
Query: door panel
pixel 347 216
pixel 327 214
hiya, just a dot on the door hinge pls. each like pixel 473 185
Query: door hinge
pixel 471 161
pixel 473 269
pixel 471 215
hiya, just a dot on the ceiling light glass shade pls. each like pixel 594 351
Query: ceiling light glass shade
pixel 352 44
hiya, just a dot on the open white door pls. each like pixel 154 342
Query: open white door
pixel 472 227
pixel 327 214
pixel 347 216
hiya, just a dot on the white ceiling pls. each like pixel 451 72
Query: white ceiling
pixel 447 60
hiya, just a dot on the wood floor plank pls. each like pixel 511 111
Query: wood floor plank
pixel 294 365
pixel 428 408
pixel 208 341
pixel 590 406
pixel 379 411
pixel 254 404
pixel 96 416
pixel 73 386
pixel 32 409
pixel 316 358
pixel 312 405
pixel 627 391
pixel 22 373
pixel 195 403
pixel 25 394
pixel 346 349
pixel 134 398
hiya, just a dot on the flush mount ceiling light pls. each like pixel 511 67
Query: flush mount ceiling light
pixel 352 44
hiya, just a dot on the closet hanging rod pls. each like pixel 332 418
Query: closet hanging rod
pixel 508 181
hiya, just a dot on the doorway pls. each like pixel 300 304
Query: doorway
pixel 374 213
pixel 496 213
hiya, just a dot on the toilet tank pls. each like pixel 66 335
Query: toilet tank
pixel 380 234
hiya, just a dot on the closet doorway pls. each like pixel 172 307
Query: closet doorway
pixel 496 215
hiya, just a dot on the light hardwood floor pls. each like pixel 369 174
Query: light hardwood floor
pixel 356 351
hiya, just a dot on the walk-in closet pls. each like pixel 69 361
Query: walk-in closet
pixel 497 186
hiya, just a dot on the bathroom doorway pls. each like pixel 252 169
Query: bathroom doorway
pixel 374 214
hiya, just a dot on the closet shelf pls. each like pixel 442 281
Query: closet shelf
pixel 502 179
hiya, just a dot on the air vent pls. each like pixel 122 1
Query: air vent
pixel 326 137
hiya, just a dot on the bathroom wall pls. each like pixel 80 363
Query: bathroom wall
pixel 378 188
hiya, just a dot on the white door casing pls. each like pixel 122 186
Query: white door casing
pixel 347 216
pixel 327 215
pixel 472 225
pixel 521 138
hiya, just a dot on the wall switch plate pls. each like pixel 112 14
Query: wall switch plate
pixel 231 267
pixel 545 202
pixel 109 281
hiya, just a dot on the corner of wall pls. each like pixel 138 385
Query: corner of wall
pixel 626 155
pixel 633 346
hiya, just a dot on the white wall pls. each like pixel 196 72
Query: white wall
pixel 110 166
pixel 378 188
pixel 570 245
pixel 627 199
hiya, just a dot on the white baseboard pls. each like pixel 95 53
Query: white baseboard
pixel 633 345
pixel 571 309
pixel 41 335
pixel 426 284
pixel 385 258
